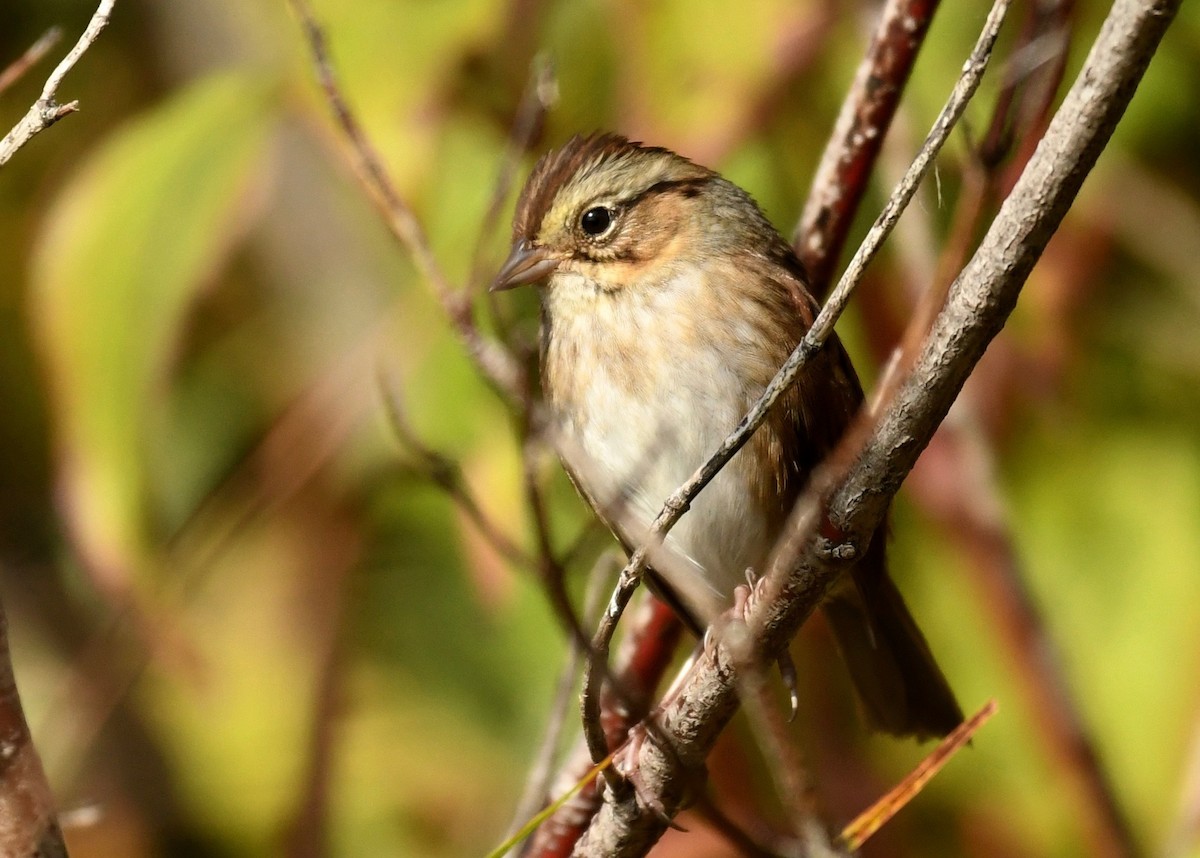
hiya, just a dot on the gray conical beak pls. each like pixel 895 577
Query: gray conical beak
pixel 526 264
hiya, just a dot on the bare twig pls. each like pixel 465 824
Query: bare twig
pixel 28 820
pixel 812 342
pixel 841 177
pixel 494 361
pixel 46 110
pixel 445 473
pixel 17 68
pixel 977 306
pixel 537 786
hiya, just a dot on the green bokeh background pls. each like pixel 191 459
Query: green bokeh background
pixel 217 561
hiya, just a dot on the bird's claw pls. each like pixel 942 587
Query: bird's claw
pixel 787 672
pixel 744 597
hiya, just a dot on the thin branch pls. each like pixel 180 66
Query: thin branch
pixel 17 68
pixel 28 818
pixel 445 473
pixel 537 785
pixel 494 361
pixel 841 178
pixel 46 110
pixel 642 659
pixel 977 306
pixel 812 342
pixel 541 93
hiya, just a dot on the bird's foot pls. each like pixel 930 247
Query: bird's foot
pixel 627 762
pixel 745 597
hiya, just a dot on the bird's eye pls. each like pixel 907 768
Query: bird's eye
pixel 596 221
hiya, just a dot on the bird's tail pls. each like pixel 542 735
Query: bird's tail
pixel 900 686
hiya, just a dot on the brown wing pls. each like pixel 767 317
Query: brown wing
pixel 813 415
pixel 901 688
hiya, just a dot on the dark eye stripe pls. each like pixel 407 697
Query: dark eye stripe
pixel 684 187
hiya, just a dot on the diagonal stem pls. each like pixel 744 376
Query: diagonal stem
pixel 977 306
pixel 812 342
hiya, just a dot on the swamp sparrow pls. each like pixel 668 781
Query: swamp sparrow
pixel 668 303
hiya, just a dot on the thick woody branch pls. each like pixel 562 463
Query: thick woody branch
pixel 28 824
pixel 978 303
pixel 46 110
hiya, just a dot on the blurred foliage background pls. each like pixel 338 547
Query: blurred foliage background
pixel 243 622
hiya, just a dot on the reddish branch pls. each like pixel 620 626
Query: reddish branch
pixel 17 68
pixel 866 114
pixel 640 662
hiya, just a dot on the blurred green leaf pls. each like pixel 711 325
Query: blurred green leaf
pixel 136 232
